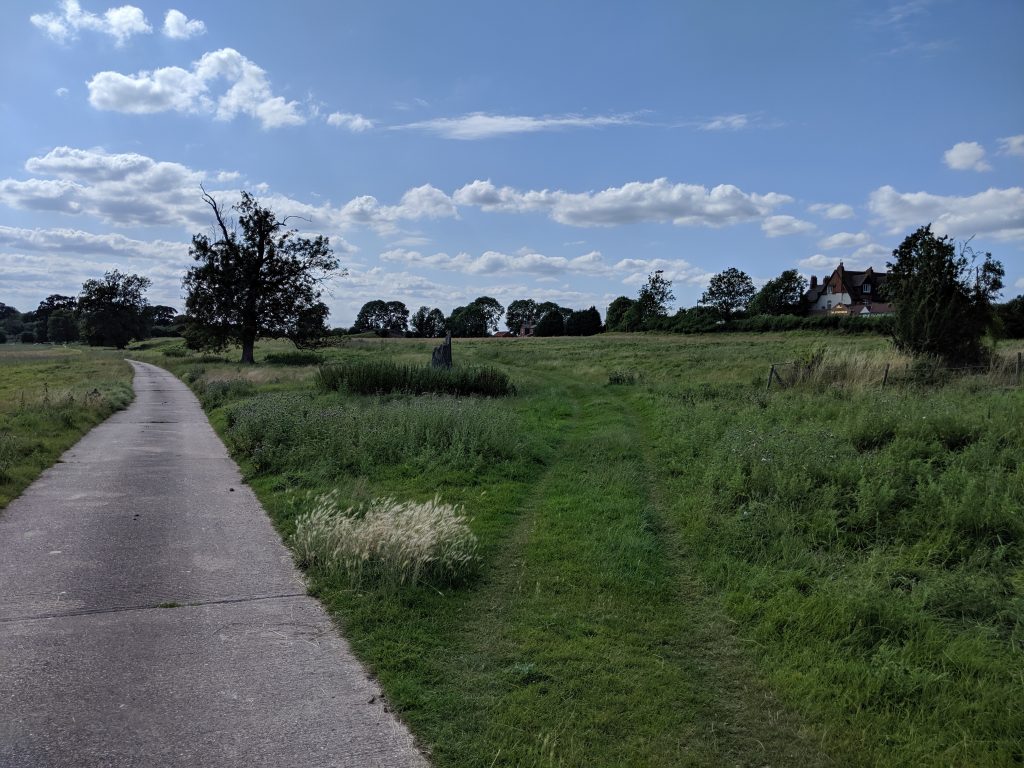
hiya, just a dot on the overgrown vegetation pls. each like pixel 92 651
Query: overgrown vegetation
pixel 688 570
pixel 380 377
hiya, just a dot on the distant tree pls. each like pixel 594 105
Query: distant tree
pixel 1011 318
pixel 48 306
pixel 27 337
pixel 113 310
pixel 551 324
pixel 617 313
pixel 470 321
pixel 161 314
pixel 428 323
pixel 943 298
pixel 782 295
pixel 520 312
pixel 584 322
pixel 10 319
pixel 549 306
pixel 493 309
pixel 655 296
pixel 729 292
pixel 3 336
pixel 256 280
pixel 382 317
pixel 62 326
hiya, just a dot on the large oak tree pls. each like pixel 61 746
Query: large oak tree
pixel 256 279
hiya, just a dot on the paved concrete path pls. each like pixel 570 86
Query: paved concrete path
pixel 149 510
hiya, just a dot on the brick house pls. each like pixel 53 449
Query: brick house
pixel 847 292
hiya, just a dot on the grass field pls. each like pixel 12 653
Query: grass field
pixel 49 397
pixel 677 568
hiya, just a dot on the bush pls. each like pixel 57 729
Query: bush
pixel 27 337
pixel 379 377
pixel 3 337
pixel 176 350
pixel 387 542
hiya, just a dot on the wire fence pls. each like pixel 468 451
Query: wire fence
pixel 1000 371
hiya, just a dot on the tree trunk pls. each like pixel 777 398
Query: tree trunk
pixel 247 347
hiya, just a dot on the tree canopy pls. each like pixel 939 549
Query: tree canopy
pixel 492 309
pixel 382 317
pixel 113 310
pixel 615 319
pixel 729 292
pixel 428 323
pixel 258 279
pixel 782 295
pixel 584 322
pixel 943 298
pixel 470 321
pixel 521 312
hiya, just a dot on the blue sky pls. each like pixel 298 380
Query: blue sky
pixel 551 150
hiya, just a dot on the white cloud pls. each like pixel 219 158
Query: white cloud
pixel 479 125
pixel 423 202
pixel 818 261
pixel 658 200
pixel 726 123
pixel 223 177
pixel 120 23
pixel 845 240
pixel 832 210
pixel 1020 283
pixel 966 156
pixel 995 212
pixel 178 26
pixel 75 241
pixel 62 92
pixel 176 89
pixel 779 226
pixel 1012 145
pixel 353 122
pixel 492 262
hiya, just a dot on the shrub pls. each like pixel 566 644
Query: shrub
pixel 387 542
pixel 215 392
pixel 3 337
pixel 27 337
pixel 177 350
pixel 378 377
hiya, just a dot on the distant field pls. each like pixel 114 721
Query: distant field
pixel 49 397
pixel 678 568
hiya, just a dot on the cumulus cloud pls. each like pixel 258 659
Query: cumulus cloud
pixel 76 241
pixel 423 202
pixel 966 156
pixel 120 23
pixel 180 90
pixel 779 226
pixel 845 240
pixel 353 122
pixel 832 210
pixel 658 200
pixel 995 212
pixel 178 26
pixel 479 125
pixel 1012 145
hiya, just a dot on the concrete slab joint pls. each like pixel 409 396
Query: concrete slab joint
pixel 152 617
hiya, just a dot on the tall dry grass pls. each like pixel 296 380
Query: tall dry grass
pixel 387 542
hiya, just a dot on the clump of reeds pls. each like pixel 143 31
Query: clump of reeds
pixel 387 542
pixel 380 377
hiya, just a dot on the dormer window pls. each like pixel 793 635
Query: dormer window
pixel 866 288
pixel 831 288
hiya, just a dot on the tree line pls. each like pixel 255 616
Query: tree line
pixel 257 278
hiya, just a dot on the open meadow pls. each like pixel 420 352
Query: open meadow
pixel 49 397
pixel 674 566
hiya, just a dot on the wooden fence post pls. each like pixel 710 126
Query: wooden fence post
pixel 885 377
pixel 1018 368
pixel 771 375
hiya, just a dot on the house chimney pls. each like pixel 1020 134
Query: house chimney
pixel 814 281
